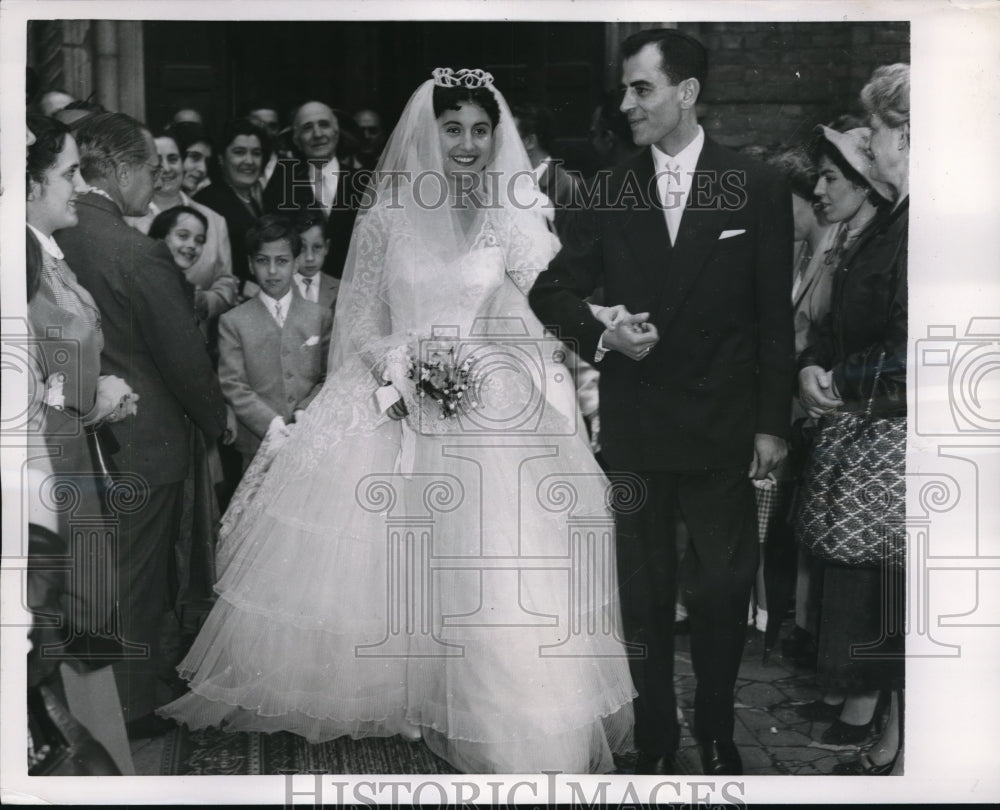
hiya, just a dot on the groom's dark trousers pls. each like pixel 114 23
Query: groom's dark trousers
pixel 683 420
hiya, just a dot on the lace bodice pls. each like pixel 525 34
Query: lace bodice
pixel 449 299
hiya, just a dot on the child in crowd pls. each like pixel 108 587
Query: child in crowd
pixel 272 348
pixel 313 284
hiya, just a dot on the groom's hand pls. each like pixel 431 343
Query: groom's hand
pixel 618 315
pixel 768 452
pixel 632 335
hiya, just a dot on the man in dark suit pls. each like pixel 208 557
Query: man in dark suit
pixel 151 340
pixel 317 180
pixel 535 125
pixel 693 243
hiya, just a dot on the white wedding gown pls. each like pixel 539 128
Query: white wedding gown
pixel 457 574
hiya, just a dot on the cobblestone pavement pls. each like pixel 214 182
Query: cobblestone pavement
pixel 772 738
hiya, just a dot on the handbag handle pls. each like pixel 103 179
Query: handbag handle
pixel 878 373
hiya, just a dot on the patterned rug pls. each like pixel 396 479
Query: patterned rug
pixel 216 753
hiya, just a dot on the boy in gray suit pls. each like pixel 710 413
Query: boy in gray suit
pixel 273 348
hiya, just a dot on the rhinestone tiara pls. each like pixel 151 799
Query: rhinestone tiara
pixel 471 78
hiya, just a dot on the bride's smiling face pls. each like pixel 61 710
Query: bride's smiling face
pixel 466 138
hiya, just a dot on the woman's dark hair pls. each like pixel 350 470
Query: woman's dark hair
pixel 50 138
pixel 798 169
pixel 452 98
pixel 166 132
pixel 164 222
pixel 822 148
pixel 230 132
pixel 187 134
pixel 32 264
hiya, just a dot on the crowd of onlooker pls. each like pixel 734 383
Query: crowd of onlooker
pixel 191 279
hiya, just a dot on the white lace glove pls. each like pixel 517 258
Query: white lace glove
pixel 277 432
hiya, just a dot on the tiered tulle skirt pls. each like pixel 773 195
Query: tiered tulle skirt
pixel 471 594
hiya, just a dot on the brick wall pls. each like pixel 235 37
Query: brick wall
pixel 771 83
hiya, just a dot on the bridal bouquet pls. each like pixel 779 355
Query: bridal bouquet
pixel 434 375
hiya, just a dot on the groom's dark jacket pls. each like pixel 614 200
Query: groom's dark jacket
pixel 723 369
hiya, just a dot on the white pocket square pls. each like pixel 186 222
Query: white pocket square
pixel 311 342
pixel 729 234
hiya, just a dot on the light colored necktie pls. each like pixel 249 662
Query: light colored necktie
pixel 325 186
pixel 310 295
pixel 279 316
pixel 672 200
pixel 318 185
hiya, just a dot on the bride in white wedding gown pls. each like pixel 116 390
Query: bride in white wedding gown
pixel 390 570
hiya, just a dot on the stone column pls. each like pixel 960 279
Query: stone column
pixel 106 73
pixel 131 64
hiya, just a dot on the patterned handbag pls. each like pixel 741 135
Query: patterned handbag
pixel 853 503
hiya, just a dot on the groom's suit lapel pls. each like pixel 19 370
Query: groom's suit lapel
pixel 704 219
pixel 644 228
pixel 669 271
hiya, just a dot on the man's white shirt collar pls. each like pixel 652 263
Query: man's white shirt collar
pixel 674 175
pixel 539 170
pixel 271 304
pixel 686 160
pixel 332 166
pixel 329 177
pixel 48 244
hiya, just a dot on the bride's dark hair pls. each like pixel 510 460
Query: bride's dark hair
pixel 450 98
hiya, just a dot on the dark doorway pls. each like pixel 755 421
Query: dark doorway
pixel 225 68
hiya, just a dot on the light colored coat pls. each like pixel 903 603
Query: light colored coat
pixel 811 301
pixel 266 370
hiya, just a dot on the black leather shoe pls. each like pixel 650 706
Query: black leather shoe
pixel 149 726
pixel 661 764
pixel 720 758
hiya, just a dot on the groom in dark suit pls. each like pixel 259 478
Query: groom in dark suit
pixel 693 244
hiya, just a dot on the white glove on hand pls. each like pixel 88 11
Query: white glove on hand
pixel 115 400
pixel 278 429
